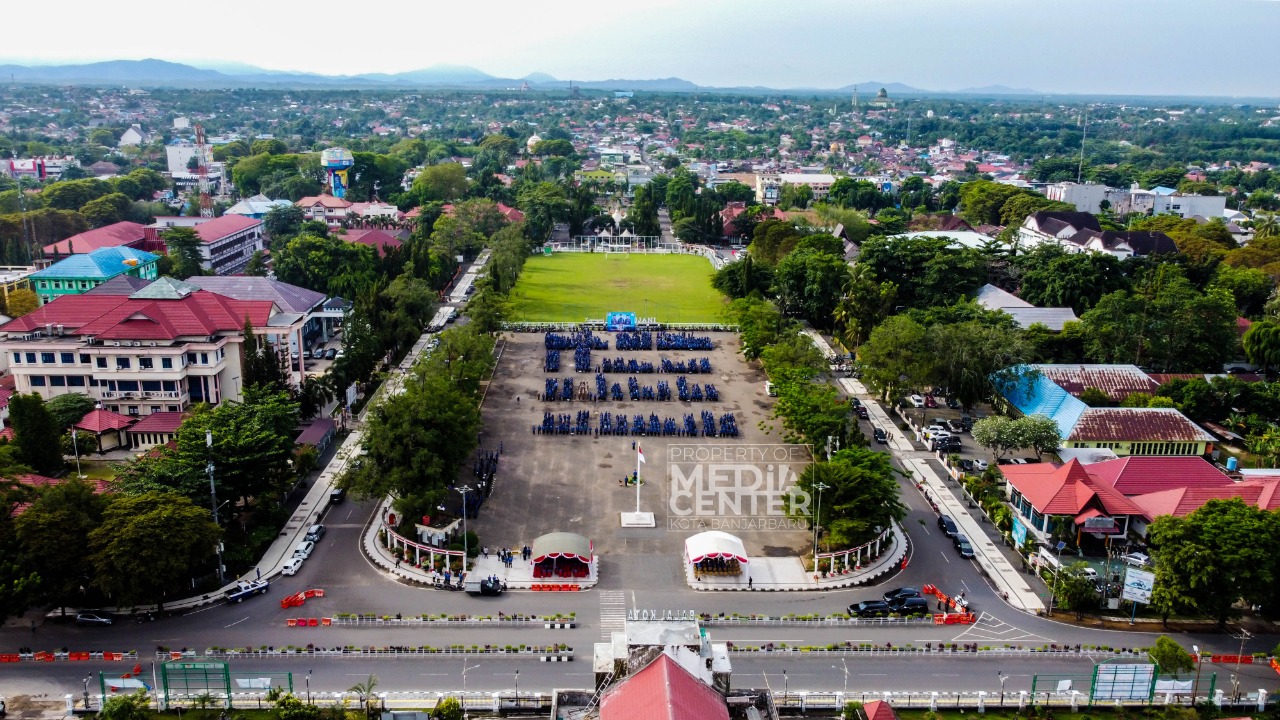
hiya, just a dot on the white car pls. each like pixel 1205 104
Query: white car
pixel 980 465
pixel 1136 559
pixel 934 431
pixel 291 566
pixel 916 401
pixel 303 550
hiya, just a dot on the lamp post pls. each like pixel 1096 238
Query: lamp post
pixel 213 495
pixel 843 666
pixel 1003 679
pixel 466 715
pixel 1195 687
pixel 820 486
pixel 75 444
pixel 308 687
pixel 786 683
pixel 517 679
pixel 466 551
pixel 1056 572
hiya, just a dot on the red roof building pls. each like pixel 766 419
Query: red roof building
pixel 734 209
pixel 121 234
pixel 1041 491
pixel 155 429
pixel 1180 502
pixel 1138 475
pixel 108 429
pixel 379 240
pixel 663 691
pixel 879 710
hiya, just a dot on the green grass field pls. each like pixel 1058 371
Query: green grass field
pixel 571 287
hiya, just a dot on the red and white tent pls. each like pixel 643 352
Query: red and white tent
pixel 714 544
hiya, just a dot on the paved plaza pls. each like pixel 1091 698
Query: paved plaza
pixel 548 483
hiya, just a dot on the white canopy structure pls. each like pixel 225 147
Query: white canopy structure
pixel 714 544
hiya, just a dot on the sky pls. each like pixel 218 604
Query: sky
pixel 1153 47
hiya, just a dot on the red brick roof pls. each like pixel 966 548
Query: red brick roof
pixel 1066 490
pixel 879 710
pixel 98 421
pixel 328 201
pixel 1140 475
pixel 375 238
pixel 218 228
pixel 121 233
pixel 663 691
pixel 1137 424
pixel 1180 502
pixel 116 317
pixel 159 422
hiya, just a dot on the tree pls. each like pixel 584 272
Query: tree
pixel 1171 657
pixel 795 197
pixel 448 709
pixel 68 409
pixel 106 210
pixel 487 309
pixel 1052 277
pixel 328 265
pixel 1249 287
pixel 283 221
pixel 861 499
pixel 968 355
pixel 1207 561
pixel 184 247
pixel 543 204
pixel 364 691
pixel 734 191
pixel 257 266
pixel 149 545
pixel 895 355
pixel 1262 344
pixel 262 365
pixel 136 706
pixel 35 432
pixel 1040 433
pixel 1075 589
pixel 809 282
pixel 54 532
pixel 440 183
pixel 22 302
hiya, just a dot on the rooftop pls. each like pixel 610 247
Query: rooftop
pixel 663 690
pixel 1144 424
pixel 104 263
pixel 218 228
pixel 1138 475
pixel 1066 490
pixel 1117 381
pixel 121 233
pixel 159 422
pixel 289 298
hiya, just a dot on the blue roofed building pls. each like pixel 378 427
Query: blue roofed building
pixel 79 274
pixel 1052 391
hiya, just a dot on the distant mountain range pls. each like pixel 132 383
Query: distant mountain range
pixel 162 73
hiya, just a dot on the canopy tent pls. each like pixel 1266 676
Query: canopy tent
pixel 714 545
pixel 561 554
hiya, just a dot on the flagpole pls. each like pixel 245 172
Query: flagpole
pixel 75 444
pixel 639 454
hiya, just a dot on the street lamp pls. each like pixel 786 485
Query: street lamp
pixel 786 684
pixel 517 687
pixel 843 666
pixel 213 495
pixel 466 552
pixel 820 486
pixel 466 715
pixel 1056 572
pixel 308 687
pixel 1003 679
pixel 1195 688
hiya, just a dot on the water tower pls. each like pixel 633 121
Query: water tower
pixel 337 161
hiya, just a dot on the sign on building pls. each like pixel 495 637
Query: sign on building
pixel 1019 532
pixel 1138 585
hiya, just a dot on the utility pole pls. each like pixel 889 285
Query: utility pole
pixel 466 552
pixel 213 496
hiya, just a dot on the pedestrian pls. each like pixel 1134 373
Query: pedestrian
pixel 517 399
pixel 749 583
pixel 397 563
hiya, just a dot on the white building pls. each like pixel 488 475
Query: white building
pixel 179 156
pixel 181 123
pixel 135 135
pixel 768 187
pixel 1087 197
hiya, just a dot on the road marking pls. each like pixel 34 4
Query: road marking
pixel 246 617
pixel 613 611
pixel 991 628
pixel 943 553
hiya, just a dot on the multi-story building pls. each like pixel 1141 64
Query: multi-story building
pixel 15 277
pixel 81 273
pixel 121 234
pixel 227 242
pixel 769 187
pixel 1088 197
pixel 325 208
pixel 162 348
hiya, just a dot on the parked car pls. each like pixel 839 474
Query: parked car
pixel 963 546
pixel 979 466
pixel 947 444
pixel 315 532
pixel 1136 559
pixel 291 566
pixel 92 618
pixel 337 495
pixel 911 606
pixel 861 410
pixel 932 430
pixel 916 401
pixel 331 353
pixel 870 608
pixel 902 592
pixel 930 402
pixel 880 435
pixel 768 389
pixel 303 549
pixel 966 422
pixel 955 426
pixel 947 525
pixel 953 403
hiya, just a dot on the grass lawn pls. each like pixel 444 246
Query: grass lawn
pixel 571 287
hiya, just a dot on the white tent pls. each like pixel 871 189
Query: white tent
pixel 714 544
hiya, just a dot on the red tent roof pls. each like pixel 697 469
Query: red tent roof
pixel 663 691
pixel 879 710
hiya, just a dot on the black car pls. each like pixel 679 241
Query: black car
pixel 911 606
pixel 881 436
pixel 901 593
pixel 948 526
pixel 861 410
pixel 337 495
pixel 870 608
pixel 953 403
pixel 946 444
pixel 963 546
pixel 331 353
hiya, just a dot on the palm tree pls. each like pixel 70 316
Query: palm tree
pixel 364 691
pixel 1265 226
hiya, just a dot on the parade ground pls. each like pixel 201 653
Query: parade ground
pixel 570 287
pixel 547 483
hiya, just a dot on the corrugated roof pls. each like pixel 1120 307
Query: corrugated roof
pixel 1052 318
pixel 101 263
pixel 1138 475
pixel 315 432
pixel 115 235
pixel 119 285
pixel 1137 424
pixel 1180 502
pixel 663 691
pixel 993 298
pixel 159 422
pixel 99 421
pixel 289 298
pixel 1117 381
pixel 1035 394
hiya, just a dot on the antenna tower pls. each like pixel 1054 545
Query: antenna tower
pixel 202 173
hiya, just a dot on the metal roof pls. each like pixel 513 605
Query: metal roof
pixel 1137 425
pixel 1117 381
pixel 104 263
pixel 289 298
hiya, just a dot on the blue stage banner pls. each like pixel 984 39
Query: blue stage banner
pixel 616 321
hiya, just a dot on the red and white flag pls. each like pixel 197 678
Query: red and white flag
pixel 640 452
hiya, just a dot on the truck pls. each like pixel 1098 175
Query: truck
pixel 244 590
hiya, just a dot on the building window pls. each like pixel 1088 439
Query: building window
pixel 31 358
pixel 57 381
pixel 84 359
pixel 102 363
pixel 68 358
pixel 166 363
pixel 204 358
pixel 145 363
pixel 127 385
pixel 151 385
pixel 47 358
pixel 191 358
pixel 122 363
pixel 17 358
pixel 75 380
pixel 133 409
pixel 37 381
pixel 170 386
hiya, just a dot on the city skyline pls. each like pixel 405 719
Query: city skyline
pixel 1139 47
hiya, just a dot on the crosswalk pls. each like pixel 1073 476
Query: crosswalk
pixel 613 611
pixel 993 629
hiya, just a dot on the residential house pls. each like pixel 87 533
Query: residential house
pixel 135 135
pixel 1024 313
pixel 380 240
pixel 256 207
pixel 731 212
pixel 121 234
pixel 163 348
pixel 1066 501
pixel 325 208
pixel 105 427
pixel 1080 232
pixel 80 273
pixel 154 430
